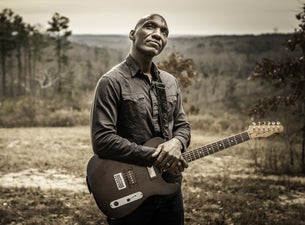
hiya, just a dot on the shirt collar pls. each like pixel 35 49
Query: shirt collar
pixel 135 69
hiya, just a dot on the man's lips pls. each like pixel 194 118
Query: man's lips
pixel 154 44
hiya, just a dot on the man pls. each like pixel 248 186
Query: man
pixel 134 102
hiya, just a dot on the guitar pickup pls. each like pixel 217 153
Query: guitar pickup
pixel 119 180
pixel 151 171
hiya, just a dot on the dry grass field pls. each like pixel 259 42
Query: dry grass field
pixel 42 181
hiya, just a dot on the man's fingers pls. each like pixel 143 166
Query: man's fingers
pixel 157 152
pixel 162 157
pixel 184 163
pixel 168 158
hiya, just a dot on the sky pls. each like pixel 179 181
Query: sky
pixel 187 17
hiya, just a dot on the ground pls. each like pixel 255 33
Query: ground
pixel 42 181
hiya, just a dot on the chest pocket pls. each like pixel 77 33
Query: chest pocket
pixel 133 105
pixel 171 104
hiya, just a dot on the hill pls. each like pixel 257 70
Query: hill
pixel 102 41
pixel 224 63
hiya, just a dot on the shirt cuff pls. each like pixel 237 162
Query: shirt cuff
pixel 183 142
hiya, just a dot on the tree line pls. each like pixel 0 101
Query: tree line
pixel 22 48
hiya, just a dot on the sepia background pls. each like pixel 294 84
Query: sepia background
pixel 240 64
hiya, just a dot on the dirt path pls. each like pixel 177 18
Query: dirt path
pixel 45 180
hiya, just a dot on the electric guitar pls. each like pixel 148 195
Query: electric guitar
pixel 119 188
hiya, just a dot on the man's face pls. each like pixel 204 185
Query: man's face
pixel 150 36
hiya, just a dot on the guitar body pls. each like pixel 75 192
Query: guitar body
pixel 119 188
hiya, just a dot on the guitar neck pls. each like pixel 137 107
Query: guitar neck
pixel 217 146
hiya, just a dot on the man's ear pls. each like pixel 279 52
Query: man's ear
pixel 132 35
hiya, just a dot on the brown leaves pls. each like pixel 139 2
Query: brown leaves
pixel 183 69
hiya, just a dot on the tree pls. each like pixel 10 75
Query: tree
pixel 183 69
pixel 6 43
pixel 20 37
pixel 37 42
pixel 59 30
pixel 288 77
pixel 17 39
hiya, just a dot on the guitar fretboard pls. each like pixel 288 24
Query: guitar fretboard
pixel 217 146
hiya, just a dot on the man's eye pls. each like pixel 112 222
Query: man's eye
pixel 165 32
pixel 149 25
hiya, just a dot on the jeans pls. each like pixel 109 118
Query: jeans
pixel 156 210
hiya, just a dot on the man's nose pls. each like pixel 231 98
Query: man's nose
pixel 157 33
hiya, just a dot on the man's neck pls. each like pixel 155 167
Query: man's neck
pixel 143 61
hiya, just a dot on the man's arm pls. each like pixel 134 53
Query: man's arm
pixel 105 141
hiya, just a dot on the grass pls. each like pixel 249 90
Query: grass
pixel 218 189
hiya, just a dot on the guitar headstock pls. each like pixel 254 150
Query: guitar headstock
pixel 265 129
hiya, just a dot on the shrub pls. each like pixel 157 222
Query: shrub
pixel 66 118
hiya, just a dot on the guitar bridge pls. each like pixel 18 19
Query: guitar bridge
pixel 131 177
pixel 126 200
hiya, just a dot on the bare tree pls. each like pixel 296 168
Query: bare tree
pixel 59 29
pixel 6 43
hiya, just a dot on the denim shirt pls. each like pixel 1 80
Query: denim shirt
pixel 125 114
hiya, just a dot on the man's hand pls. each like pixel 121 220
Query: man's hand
pixel 169 158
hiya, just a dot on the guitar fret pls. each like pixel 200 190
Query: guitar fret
pixel 210 149
pixel 226 142
pixel 245 136
pixel 232 141
pixel 200 152
pixel 215 147
pixel 196 154
pixel 241 137
pixel 220 145
pixel 187 156
pixel 205 151
pixel 238 138
pixel 189 159
pixel 192 155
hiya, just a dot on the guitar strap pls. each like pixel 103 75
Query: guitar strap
pixel 162 107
